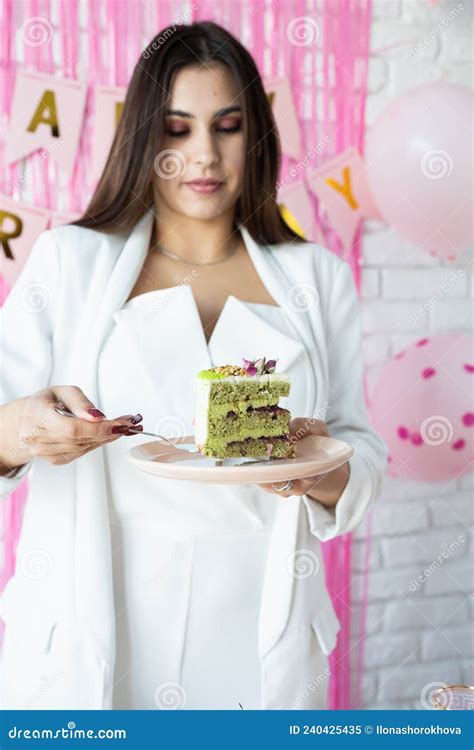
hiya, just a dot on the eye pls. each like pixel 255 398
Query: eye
pixel 229 125
pixel 234 129
pixel 226 126
pixel 177 133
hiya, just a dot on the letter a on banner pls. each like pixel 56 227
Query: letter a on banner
pixel 47 113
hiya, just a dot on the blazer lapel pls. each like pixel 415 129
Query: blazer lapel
pixel 164 332
pixel 288 523
pixel 112 282
pixel 118 273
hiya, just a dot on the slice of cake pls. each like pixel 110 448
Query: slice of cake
pixel 237 412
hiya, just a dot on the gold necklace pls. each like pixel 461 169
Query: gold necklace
pixel 173 256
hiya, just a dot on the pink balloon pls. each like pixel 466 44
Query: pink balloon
pixel 423 407
pixel 420 170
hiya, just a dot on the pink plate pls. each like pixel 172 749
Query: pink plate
pixel 314 455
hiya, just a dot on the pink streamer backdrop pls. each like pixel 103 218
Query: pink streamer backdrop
pixel 328 76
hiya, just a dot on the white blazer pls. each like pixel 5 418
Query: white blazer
pixel 59 646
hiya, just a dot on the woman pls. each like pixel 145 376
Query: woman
pixel 137 592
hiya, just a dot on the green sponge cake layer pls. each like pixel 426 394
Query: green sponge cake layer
pixel 255 423
pixel 237 412
pixel 274 447
pixel 225 391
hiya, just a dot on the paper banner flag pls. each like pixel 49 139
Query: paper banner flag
pixel 296 208
pixel 341 186
pixel 108 105
pixel 20 225
pixel 47 112
pixel 281 101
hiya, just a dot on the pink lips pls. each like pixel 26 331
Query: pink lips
pixel 204 186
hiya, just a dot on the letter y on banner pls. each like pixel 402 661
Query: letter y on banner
pixel 341 186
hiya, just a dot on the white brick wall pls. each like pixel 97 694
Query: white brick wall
pixel 419 618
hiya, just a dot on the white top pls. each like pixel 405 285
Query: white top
pixel 189 559
pixel 85 276
pixel 185 507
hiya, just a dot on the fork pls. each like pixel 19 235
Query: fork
pixel 67 413
pixel 217 461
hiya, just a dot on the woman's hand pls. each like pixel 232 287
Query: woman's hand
pixel 31 428
pixel 326 488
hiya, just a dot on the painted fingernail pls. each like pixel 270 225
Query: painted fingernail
pixel 119 430
pixel 95 413
pixel 136 419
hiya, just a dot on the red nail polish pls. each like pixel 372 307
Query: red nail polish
pixel 95 413
pixel 137 418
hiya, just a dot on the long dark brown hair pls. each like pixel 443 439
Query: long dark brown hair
pixel 125 189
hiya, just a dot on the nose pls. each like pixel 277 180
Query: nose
pixel 205 151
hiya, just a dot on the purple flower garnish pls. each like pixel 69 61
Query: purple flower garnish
pixel 259 366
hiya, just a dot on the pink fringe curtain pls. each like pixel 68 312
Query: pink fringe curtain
pixel 328 76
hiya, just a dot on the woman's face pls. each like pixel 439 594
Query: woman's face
pixel 203 141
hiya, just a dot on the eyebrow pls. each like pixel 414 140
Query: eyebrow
pixel 219 113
